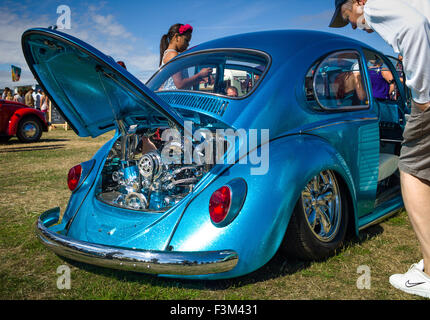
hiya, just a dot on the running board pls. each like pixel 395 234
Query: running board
pixel 387 210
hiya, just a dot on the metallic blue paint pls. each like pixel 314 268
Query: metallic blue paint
pixel 304 140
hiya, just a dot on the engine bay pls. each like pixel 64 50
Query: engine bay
pixel 137 176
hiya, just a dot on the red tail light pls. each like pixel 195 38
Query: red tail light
pixel 219 204
pixel 74 176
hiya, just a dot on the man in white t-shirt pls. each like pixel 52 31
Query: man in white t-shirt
pixel 405 25
pixel 36 96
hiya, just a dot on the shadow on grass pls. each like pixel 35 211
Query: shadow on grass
pixel 15 141
pixel 277 267
pixel 366 234
pixel 33 148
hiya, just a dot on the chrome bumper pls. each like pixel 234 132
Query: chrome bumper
pixel 146 261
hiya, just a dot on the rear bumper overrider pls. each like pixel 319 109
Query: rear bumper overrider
pixel 138 260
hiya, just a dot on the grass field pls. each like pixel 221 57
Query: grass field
pixel 33 179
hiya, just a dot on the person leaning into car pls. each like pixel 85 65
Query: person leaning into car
pixel 174 42
pixel 405 25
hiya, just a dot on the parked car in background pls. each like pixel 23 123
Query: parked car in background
pixel 17 119
pixel 332 152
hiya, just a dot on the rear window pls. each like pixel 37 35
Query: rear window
pixel 229 73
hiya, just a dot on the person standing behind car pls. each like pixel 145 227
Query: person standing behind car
pixel 9 96
pixel 405 25
pixel 44 104
pixel 18 97
pixel 28 98
pixel 175 41
pixel 36 96
pixel 5 93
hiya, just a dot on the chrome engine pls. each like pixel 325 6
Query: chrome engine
pixel 136 176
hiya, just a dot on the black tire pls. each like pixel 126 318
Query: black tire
pixel 307 241
pixel 29 130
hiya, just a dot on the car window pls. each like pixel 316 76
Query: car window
pixel 229 73
pixel 383 85
pixel 336 82
pixel 398 64
pixel 399 70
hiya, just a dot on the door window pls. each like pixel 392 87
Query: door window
pixel 337 82
pixel 383 84
pixel 385 90
pixel 402 77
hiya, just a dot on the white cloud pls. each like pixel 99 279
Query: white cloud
pixel 103 32
pixel 6 79
pixel 12 27
pixel 107 25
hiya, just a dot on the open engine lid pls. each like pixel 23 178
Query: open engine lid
pixel 92 92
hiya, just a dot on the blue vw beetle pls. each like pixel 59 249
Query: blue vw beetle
pixel 285 144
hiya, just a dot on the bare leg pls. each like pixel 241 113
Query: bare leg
pixel 416 197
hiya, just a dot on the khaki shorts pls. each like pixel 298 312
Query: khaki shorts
pixel 415 152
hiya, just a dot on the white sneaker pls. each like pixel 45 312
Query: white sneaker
pixel 415 281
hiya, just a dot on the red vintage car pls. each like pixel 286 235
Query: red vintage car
pixel 20 120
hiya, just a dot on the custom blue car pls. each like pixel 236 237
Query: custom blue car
pixel 282 145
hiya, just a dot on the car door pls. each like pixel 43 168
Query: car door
pixel 394 106
pixel 5 114
pixel 338 89
pixel 388 95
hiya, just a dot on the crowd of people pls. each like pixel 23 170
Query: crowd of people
pixel 32 98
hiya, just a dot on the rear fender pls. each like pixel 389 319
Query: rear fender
pixel 258 230
pixel 93 168
pixel 20 114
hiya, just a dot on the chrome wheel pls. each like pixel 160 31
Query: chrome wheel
pixel 321 202
pixel 29 130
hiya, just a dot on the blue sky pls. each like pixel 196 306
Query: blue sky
pixel 130 30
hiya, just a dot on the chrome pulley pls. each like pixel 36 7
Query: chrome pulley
pixel 135 200
pixel 150 166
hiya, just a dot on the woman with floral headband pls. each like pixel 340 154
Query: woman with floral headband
pixel 173 43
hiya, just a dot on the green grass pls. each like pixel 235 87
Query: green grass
pixel 33 179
